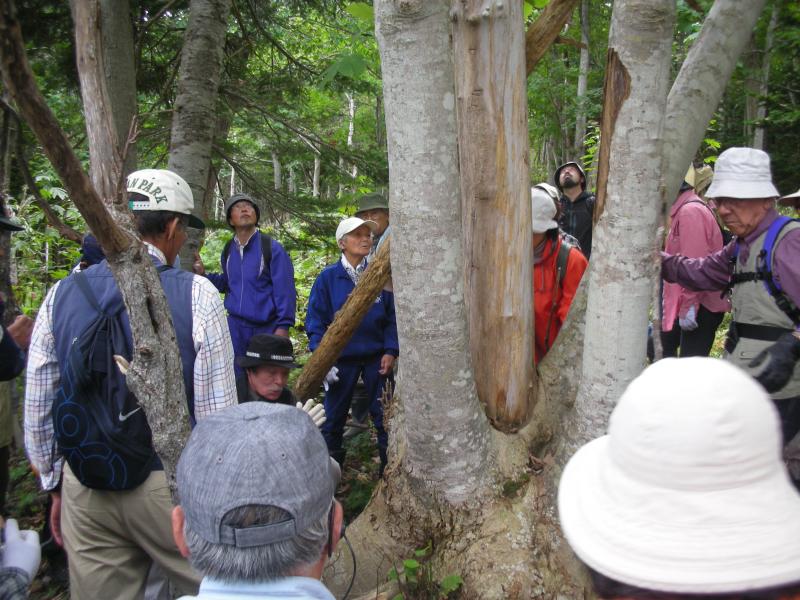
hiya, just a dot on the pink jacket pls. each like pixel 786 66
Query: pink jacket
pixel 694 233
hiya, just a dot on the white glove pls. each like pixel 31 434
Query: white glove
pixel 22 550
pixel 315 411
pixel 689 322
pixel 331 378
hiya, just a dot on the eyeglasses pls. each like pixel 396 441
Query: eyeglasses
pixel 732 202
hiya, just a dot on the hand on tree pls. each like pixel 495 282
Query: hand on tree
pixel 22 550
pixel 778 362
pixel 387 362
pixel 331 378
pixel 689 322
pixel 20 330
pixel 314 410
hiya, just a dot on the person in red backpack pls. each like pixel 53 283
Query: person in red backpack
pixel 558 265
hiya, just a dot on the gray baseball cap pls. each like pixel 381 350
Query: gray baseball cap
pixel 256 453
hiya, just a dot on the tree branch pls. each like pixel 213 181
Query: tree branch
pixel 545 29
pixel 346 321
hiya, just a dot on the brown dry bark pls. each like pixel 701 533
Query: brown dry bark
pixel 345 322
pixel 491 109
pixel 616 89
pixel 545 29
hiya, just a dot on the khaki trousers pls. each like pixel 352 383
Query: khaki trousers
pixel 111 538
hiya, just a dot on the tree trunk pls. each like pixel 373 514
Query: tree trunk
pixel 119 66
pixel 451 480
pixel 277 179
pixel 317 172
pixel 583 80
pixel 346 321
pixel 763 88
pixel 491 107
pixel 6 291
pixel 630 187
pixel 155 374
pixel 194 116
pixel 700 83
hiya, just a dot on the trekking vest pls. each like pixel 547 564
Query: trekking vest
pixel 762 312
pixel 266 253
pixel 99 427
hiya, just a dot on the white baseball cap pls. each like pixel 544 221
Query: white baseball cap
pixel 164 190
pixel 351 224
pixel 688 492
pixel 543 207
pixel 742 173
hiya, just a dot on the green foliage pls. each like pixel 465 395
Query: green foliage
pixel 416 580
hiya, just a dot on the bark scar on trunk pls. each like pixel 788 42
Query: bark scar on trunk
pixel 616 89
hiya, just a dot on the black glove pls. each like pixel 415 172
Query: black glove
pixel 778 361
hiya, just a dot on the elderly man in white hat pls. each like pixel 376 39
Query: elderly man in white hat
pixel 373 347
pixel 761 271
pixel 687 496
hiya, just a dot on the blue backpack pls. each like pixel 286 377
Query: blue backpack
pixel 100 428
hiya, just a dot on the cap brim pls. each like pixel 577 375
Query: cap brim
pixel 679 540
pixel 247 362
pixel 196 223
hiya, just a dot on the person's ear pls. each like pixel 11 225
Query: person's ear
pixel 177 531
pixel 337 525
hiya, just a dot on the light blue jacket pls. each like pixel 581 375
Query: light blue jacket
pixel 296 588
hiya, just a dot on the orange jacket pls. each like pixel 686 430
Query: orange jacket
pixel 550 305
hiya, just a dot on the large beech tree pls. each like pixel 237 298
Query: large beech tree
pixel 485 498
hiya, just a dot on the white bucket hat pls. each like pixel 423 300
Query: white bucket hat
pixel 791 199
pixel 351 224
pixel 543 207
pixel 687 493
pixel 742 173
pixel 164 190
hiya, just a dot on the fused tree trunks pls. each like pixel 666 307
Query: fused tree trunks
pixel 345 322
pixel 621 275
pixel 491 103
pixel 545 29
pixel 155 374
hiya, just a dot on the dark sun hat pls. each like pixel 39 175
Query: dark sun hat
pixel 268 349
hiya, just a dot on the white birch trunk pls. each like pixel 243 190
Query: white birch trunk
pixel 292 181
pixel 583 79
pixel 699 86
pixel 315 178
pixel 621 273
pixel 761 112
pixel 276 172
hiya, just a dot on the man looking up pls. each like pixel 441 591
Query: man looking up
pixel 257 516
pixel 114 521
pixel 257 277
pixel 576 205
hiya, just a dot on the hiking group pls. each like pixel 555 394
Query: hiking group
pixel 256 481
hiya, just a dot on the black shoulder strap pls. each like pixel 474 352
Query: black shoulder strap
pixel 561 261
pixel 86 290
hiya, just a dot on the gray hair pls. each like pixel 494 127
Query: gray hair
pixel 258 563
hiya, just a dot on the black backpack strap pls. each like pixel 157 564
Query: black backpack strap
pixel 266 252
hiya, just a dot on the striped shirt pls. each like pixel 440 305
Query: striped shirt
pixel 214 386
